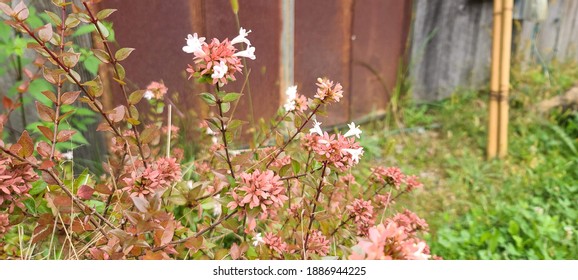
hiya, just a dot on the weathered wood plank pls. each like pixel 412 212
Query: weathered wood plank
pixel 451 43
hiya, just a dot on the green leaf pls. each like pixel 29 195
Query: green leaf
pixel 149 134
pixel 71 21
pixel 123 53
pixel 101 55
pixel 37 87
pixel 208 98
pixel 121 72
pixel 30 205
pixel 234 124
pixel 513 228
pixel 135 97
pixel 284 170
pixel 105 13
pixel 84 29
pixel 296 166
pixel 54 18
pixel 103 29
pixel 232 96
pixel 37 187
pixel 225 107
pixel 82 179
pixel 91 64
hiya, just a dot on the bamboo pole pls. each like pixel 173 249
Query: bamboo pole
pixel 505 77
pixel 492 148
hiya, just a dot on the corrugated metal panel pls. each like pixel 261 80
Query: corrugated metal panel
pixel 322 47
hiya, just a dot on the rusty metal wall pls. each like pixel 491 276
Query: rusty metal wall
pixel 358 43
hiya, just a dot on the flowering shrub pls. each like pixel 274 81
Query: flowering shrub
pixel 271 201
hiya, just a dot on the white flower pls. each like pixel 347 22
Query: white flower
pixel 148 95
pixel 258 240
pixel 355 153
pixel 241 38
pixel 190 185
pixel 194 45
pixel 291 93
pixel 316 128
pixel 248 53
pixel 353 130
pixel 68 155
pixel 289 105
pixel 219 70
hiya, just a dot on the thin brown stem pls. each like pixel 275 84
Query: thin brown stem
pixel 83 206
pixel 201 232
pixel 61 65
pixel 223 130
pixel 301 175
pixel 279 151
pixel 312 214
pixel 273 129
pixel 59 85
pixel 307 162
pixel 114 63
pixel 340 226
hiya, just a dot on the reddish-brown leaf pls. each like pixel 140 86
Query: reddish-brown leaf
pixel 15 148
pixel 46 114
pixel 103 189
pixel 149 134
pixel 150 255
pixel 7 103
pixel 48 179
pixel 117 114
pixel 194 243
pixel 96 253
pixel 235 251
pixel 40 233
pixel 80 226
pixel 27 145
pixel 44 149
pixel 62 200
pixel 50 95
pixel 69 97
pixel 47 132
pixel 103 126
pixel 85 192
pixel 140 203
pixel 47 164
pixel 45 33
pixel 64 135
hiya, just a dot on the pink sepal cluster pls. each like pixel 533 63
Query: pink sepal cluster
pixel 262 190
pixel 275 242
pixel 156 176
pixel 332 149
pixel 326 92
pixel 394 176
pixel 391 241
pixel 317 243
pixel 155 90
pixel 362 213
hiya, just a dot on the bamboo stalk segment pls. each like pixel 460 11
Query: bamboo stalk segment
pixel 492 147
pixel 505 77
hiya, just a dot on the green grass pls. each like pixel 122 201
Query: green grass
pixel 521 207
